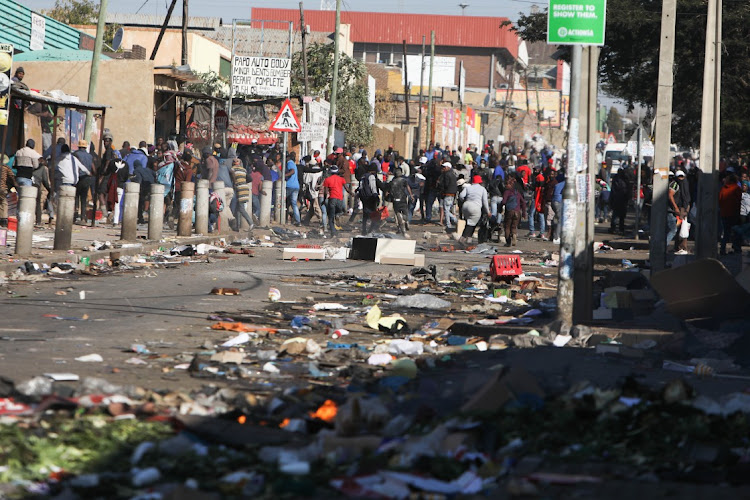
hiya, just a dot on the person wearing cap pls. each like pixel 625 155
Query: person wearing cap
pixel 416 184
pixel 474 204
pixel 333 193
pixel 86 180
pixel 448 188
pixel 400 195
pixel 106 169
pixel 683 200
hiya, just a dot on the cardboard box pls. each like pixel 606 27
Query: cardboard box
pixel 505 386
pixel 374 248
pixel 304 253
pixel 414 260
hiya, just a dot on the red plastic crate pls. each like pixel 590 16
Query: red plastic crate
pixel 505 266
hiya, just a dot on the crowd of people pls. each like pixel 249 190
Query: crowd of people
pixel 492 189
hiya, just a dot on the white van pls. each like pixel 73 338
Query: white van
pixel 614 156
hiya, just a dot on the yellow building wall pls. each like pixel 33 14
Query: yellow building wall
pixel 125 85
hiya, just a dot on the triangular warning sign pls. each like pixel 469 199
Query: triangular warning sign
pixel 286 120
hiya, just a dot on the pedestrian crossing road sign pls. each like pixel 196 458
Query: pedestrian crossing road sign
pixel 286 120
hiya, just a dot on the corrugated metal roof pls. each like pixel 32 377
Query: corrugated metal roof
pixel 274 41
pixel 15 28
pixel 56 55
pixel 384 27
pixel 28 95
pixel 202 23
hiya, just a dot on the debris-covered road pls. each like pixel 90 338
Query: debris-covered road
pixel 243 375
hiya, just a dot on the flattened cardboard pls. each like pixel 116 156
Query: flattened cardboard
pixel 503 387
pixel 702 289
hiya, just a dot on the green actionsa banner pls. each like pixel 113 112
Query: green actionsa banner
pixel 576 22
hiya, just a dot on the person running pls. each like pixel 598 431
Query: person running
pixel 730 202
pixel 515 207
pixel 333 193
pixel 400 194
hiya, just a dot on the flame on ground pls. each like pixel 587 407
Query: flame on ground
pixel 284 423
pixel 327 412
pixel 242 419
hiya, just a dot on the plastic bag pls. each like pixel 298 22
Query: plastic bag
pixel 685 229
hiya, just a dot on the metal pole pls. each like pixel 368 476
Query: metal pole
pixel 335 81
pixel 407 93
pixel 231 77
pixel 658 230
pixel 421 91
pixel 429 97
pixel 184 32
pixel 213 120
pixel 163 29
pixel 303 28
pixel 639 137
pixel 286 140
pixel 566 287
pixel 706 229
pixel 93 78
pixel 304 47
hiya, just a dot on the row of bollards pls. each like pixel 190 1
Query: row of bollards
pixel 188 214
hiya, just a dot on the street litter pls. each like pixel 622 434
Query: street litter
pixel 90 358
pixel 225 291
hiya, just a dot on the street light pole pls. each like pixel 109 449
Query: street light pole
pixel 335 81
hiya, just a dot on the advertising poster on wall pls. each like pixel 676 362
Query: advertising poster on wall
pixel 261 76
pixel 6 64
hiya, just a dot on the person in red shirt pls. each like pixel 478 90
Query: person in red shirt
pixel 524 171
pixel 333 193
pixel 730 200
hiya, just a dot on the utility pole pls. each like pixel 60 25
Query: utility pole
pixel 407 93
pixel 658 242
pixel 100 28
pixel 335 82
pixel 566 287
pixel 708 185
pixel 419 121
pixel 163 29
pixel 303 29
pixel 429 97
pixel 583 278
pixel 184 32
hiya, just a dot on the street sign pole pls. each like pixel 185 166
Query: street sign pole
pixel 576 23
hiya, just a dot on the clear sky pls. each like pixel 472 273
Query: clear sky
pixel 228 9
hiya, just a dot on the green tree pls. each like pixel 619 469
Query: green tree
pixel 213 84
pixel 629 63
pixel 353 108
pixel 614 121
pixel 74 11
